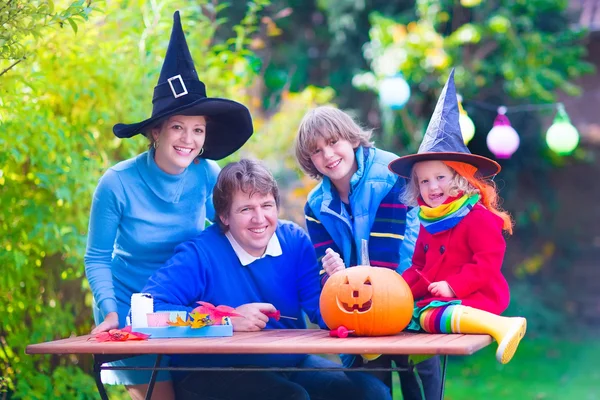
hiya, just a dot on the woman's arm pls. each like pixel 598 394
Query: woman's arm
pixel 105 217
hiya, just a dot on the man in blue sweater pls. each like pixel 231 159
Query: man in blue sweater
pixel 257 264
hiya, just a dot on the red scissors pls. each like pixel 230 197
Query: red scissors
pixel 276 315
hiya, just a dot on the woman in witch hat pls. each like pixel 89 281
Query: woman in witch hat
pixel 143 207
pixel 456 274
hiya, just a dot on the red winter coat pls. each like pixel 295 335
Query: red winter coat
pixel 468 257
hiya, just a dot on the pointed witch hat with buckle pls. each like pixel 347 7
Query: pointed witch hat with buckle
pixel 443 139
pixel 180 92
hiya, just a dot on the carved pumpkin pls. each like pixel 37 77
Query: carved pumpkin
pixel 372 301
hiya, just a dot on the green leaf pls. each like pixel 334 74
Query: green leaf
pixel 73 24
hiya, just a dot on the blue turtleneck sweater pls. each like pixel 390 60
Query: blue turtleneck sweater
pixel 139 214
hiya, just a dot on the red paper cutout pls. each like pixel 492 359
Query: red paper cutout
pixel 120 335
pixel 217 313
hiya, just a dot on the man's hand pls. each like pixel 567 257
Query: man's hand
pixel 110 322
pixel 253 318
pixel 441 289
pixel 332 262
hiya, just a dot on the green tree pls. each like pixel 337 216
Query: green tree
pixel 23 23
pixel 505 52
pixel 502 50
pixel 56 115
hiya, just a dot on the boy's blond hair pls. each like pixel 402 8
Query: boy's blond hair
pixel 326 123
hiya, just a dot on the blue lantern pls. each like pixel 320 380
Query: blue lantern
pixel 394 92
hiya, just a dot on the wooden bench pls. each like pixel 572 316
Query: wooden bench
pixel 275 341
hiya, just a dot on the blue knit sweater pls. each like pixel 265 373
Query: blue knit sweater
pixel 139 214
pixel 207 269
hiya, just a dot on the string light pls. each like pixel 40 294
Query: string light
pixel 502 140
pixel 562 137
pixel 394 92
pixel 467 127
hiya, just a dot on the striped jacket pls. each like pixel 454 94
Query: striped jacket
pixel 377 215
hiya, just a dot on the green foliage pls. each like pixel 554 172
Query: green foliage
pixel 56 115
pixel 23 23
pixel 508 49
pixel 504 52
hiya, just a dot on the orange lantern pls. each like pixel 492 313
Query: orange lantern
pixel 371 301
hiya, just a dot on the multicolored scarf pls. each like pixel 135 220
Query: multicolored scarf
pixel 447 215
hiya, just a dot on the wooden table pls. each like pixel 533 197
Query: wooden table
pixel 276 341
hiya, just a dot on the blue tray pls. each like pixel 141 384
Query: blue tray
pixel 162 332
pixel 186 331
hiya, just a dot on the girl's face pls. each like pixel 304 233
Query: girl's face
pixel 434 179
pixel 334 158
pixel 180 140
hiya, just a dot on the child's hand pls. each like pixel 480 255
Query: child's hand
pixel 441 289
pixel 332 262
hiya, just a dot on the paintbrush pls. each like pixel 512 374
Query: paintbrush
pixel 427 281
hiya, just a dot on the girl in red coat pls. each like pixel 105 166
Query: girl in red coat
pixel 456 274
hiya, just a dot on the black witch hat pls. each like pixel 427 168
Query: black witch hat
pixel 443 139
pixel 180 92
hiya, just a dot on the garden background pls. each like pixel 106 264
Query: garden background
pixel 70 70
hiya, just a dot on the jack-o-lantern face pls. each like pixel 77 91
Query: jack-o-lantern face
pixel 355 296
pixel 371 301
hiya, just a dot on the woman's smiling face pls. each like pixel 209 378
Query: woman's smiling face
pixel 180 140
pixel 434 179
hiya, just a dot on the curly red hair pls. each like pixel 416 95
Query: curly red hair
pixel 489 195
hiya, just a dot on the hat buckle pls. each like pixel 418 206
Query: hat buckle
pixel 175 94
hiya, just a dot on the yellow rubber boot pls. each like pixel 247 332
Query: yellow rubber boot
pixel 507 331
pixel 370 357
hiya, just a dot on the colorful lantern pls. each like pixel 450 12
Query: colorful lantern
pixel 502 140
pixel 394 92
pixel 467 127
pixel 562 137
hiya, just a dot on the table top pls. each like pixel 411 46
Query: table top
pixel 274 341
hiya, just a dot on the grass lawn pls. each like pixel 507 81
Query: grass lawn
pixel 541 369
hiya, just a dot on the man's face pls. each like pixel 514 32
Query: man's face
pixel 252 221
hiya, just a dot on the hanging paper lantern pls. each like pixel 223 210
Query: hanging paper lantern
pixel 562 137
pixel 394 92
pixel 467 127
pixel 502 140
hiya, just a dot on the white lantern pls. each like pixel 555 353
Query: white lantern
pixel 394 92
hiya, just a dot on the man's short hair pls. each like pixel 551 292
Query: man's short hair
pixel 249 176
